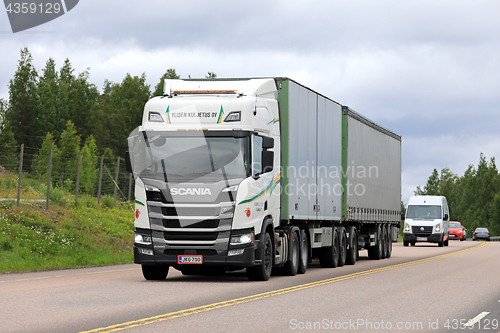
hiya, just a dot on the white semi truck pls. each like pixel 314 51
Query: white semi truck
pixel 259 174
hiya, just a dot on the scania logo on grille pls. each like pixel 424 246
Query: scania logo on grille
pixel 422 229
pixel 190 191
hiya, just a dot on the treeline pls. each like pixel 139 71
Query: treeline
pixel 41 104
pixel 473 199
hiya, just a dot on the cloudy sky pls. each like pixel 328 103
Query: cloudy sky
pixel 426 69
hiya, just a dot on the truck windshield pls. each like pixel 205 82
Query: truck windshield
pixel 424 212
pixel 185 158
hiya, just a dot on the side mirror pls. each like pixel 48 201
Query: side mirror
pixel 445 217
pixel 402 216
pixel 128 162
pixel 267 161
pixel 267 142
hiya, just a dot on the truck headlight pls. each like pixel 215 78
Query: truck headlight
pixel 438 228
pixel 242 239
pixel 143 239
pixel 407 227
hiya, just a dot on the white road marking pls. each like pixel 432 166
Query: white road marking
pixel 477 318
pixel 58 276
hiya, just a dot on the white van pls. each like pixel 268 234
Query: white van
pixel 427 220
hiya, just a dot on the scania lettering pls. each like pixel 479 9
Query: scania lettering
pixel 190 191
pixel 259 174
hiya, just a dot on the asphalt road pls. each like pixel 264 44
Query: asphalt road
pixel 419 289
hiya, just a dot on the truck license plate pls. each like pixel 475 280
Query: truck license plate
pixel 422 239
pixel 190 259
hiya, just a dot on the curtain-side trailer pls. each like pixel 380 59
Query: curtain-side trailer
pixel 259 174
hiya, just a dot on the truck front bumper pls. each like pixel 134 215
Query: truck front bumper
pixel 241 256
pixel 433 238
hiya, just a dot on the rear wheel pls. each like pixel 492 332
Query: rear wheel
pixel 384 242
pixel 292 265
pixel 389 242
pixel 375 252
pixel 342 246
pixel 329 255
pixel 446 242
pixel 155 273
pixel 352 246
pixel 304 252
pixel 262 272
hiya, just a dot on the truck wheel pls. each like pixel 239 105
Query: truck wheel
pixel 330 255
pixel 156 273
pixel 375 252
pixel 446 242
pixel 304 252
pixel 389 242
pixel 384 242
pixel 262 272
pixel 352 246
pixel 292 264
pixel 342 246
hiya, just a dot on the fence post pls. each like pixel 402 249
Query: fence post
pixel 48 181
pixel 129 186
pixel 78 177
pixel 20 175
pixel 100 181
pixel 116 179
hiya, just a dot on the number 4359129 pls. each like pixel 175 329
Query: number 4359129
pixel 33 8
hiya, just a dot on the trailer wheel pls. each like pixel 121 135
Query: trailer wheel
pixel 375 252
pixel 304 252
pixel 292 265
pixel 156 273
pixel 352 246
pixel 262 272
pixel 330 255
pixel 384 242
pixel 389 241
pixel 342 246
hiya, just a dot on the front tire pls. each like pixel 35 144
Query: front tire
pixel 154 273
pixel 262 272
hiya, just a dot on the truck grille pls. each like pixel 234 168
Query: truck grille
pixel 178 252
pixel 191 211
pixel 210 224
pixel 190 236
pixel 416 230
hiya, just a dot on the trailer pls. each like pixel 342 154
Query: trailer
pixel 259 174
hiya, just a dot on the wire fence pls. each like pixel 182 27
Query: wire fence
pixel 43 175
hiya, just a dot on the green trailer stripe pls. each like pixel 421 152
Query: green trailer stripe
pixel 283 100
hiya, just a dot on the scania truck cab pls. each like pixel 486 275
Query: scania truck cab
pixel 201 158
pixel 427 220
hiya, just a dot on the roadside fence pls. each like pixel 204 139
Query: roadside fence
pixel 62 171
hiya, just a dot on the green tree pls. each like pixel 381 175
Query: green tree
pixel 126 106
pixel 89 170
pixel 169 74
pixel 69 145
pixel 211 75
pixel 48 119
pixel 8 144
pixel 432 186
pixel 41 159
pixel 23 102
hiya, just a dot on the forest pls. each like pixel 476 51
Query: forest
pixel 60 109
pixel 473 199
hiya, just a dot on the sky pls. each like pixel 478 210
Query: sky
pixel 427 70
